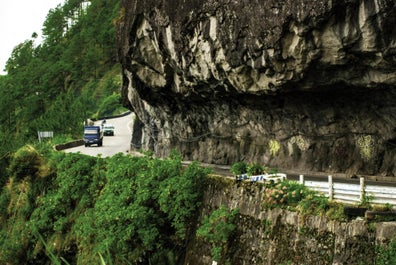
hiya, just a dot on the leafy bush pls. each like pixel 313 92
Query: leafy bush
pixel 238 168
pixel 386 255
pixel 71 188
pixel 295 196
pixel 122 208
pixel 217 229
pixel 315 204
pixel 145 209
pixel 285 193
pixel 255 169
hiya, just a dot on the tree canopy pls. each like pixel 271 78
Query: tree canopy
pixel 57 84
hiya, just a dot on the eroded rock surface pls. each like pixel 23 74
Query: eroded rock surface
pixel 302 84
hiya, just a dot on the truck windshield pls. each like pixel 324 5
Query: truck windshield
pixel 90 131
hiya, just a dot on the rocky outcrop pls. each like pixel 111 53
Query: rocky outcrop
pixel 283 237
pixel 307 85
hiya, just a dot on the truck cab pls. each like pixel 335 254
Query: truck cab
pixel 93 135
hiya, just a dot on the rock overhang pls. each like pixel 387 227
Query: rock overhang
pixel 219 79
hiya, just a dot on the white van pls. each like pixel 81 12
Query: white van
pixel 108 129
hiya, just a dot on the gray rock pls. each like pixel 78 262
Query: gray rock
pixel 308 85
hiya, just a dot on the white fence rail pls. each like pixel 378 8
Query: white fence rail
pixel 343 192
pixel 353 193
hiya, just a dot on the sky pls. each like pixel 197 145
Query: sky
pixel 18 20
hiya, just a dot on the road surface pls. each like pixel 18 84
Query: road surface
pixel 119 143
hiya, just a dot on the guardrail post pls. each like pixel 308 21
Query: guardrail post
pixel 302 181
pixel 331 190
pixel 362 190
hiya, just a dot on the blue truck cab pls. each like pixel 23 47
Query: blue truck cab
pixel 93 135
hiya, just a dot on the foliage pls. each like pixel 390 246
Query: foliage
pixel 366 201
pixel 217 228
pixel 315 204
pixel 386 255
pixel 255 169
pixel 383 207
pixel 89 210
pixel 285 193
pixel 238 168
pixel 154 207
pixel 294 196
pixel 55 85
pixel 241 167
pixel 110 105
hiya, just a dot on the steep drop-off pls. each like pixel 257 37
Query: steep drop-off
pixel 302 84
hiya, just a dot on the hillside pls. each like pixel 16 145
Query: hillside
pixel 69 77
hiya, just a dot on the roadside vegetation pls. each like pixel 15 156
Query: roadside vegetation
pixel 82 210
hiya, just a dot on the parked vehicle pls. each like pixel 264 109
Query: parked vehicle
pixel 108 129
pixel 93 135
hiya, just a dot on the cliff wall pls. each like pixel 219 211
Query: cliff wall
pixel 283 237
pixel 308 85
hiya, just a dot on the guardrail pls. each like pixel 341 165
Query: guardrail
pixel 353 193
pixel 343 192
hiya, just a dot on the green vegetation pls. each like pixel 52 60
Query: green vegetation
pixel 292 195
pixel 217 229
pixel 238 168
pixel 256 169
pixel 85 210
pixel 69 77
pixel 386 255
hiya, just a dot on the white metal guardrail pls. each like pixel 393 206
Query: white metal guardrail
pixel 353 193
pixel 344 192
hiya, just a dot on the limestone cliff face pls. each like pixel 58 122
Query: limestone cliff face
pixel 301 84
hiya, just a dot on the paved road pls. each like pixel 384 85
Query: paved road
pixel 119 143
pixel 224 170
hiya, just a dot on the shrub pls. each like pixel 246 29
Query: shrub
pixel 386 255
pixel 217 228
pixel 316 204
pixel 146 208
pixel 238 168
pixel 255 169
pixel 285 193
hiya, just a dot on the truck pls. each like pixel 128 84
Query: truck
pixel 93 135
